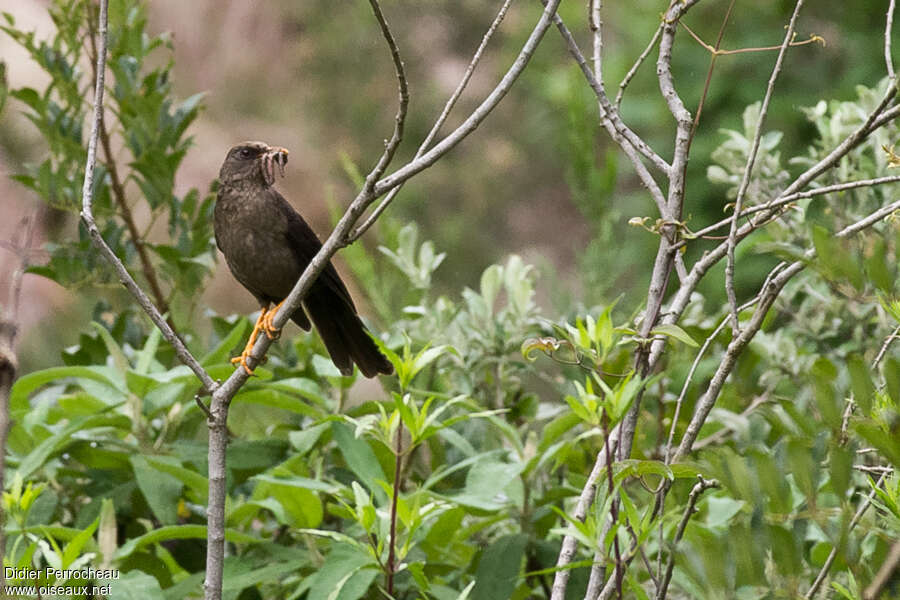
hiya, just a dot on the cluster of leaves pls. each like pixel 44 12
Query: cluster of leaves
pixel 309 481
pixel 151 129
pixel 461 477
pixel 820 427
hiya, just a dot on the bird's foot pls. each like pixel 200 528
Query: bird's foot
pixel 257 327
pixel 242 360
pixel 272 332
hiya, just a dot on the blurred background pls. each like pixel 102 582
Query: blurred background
pixel 539 178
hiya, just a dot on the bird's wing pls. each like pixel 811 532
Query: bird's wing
pixel 305 244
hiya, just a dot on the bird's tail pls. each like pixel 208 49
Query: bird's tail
pixel 345 336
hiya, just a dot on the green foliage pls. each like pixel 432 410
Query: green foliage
pixel 496 414
pixel 144 119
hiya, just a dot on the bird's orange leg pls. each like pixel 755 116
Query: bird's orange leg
pixel 267 325
pixel 242 359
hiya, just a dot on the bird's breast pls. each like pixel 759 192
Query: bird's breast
pixel 252 237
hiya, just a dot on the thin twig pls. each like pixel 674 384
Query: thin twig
pixel 391 567
pixel 748 170
pixel 719 52
pixel 637 65
pixel 766 297
pixel 712 65
pixel 895 334
pixel 690 376
pixel 451 102
pixel 569 543
pixel 403 103
pixel 479 114
pixel 823 572
pixel 630 142
pixel 885 573
pixel 888 29
pixel 700 487
pixel 782 200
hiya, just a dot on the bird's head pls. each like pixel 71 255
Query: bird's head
pixel 249 161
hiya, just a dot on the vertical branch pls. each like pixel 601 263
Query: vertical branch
pixel 215 507
pixel 748 169
pixel 398 463
pixel 700 487
pixel 888 29
pixel 9 328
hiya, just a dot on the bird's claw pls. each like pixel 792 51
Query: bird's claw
pixel 272 332
pixel 242 360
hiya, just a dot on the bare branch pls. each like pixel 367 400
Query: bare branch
pixel 888 29
pixel 748 170
pixel 118 193
pixel 630 142
pixel 87 217
pixel 596 19
pixel 782 201
pixel 451 102
pixel 403 104
pixel 700 487
pixel 712 64
pixel 479 114
pixel 823 572
pixel 690 376
pixel 895 334
pixel 888 567
pixel 637 64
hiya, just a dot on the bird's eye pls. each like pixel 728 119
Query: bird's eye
pixel 245 153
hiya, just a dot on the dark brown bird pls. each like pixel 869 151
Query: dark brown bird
pixel 267 245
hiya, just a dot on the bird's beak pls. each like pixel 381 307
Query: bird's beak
pixel 272 157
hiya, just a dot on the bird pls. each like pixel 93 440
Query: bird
pixel 267 245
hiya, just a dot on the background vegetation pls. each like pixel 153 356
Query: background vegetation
pixel 507 287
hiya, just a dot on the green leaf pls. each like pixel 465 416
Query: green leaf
pixel 272 397
pixel 115 351
pixel 672 330
pixel 254 576
pixel 73 549
pixel 346 574
pixel 861 382
pixel 27 384
pixel 304 440
pixel 62 439
pixel 360 459
pixel 499 567
pixel 135 585
pixel 148 352
pixel 302 508
pixel 162 491
pixel 297 481
pixel 199 484
pixel 179 532
pixel 222 352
